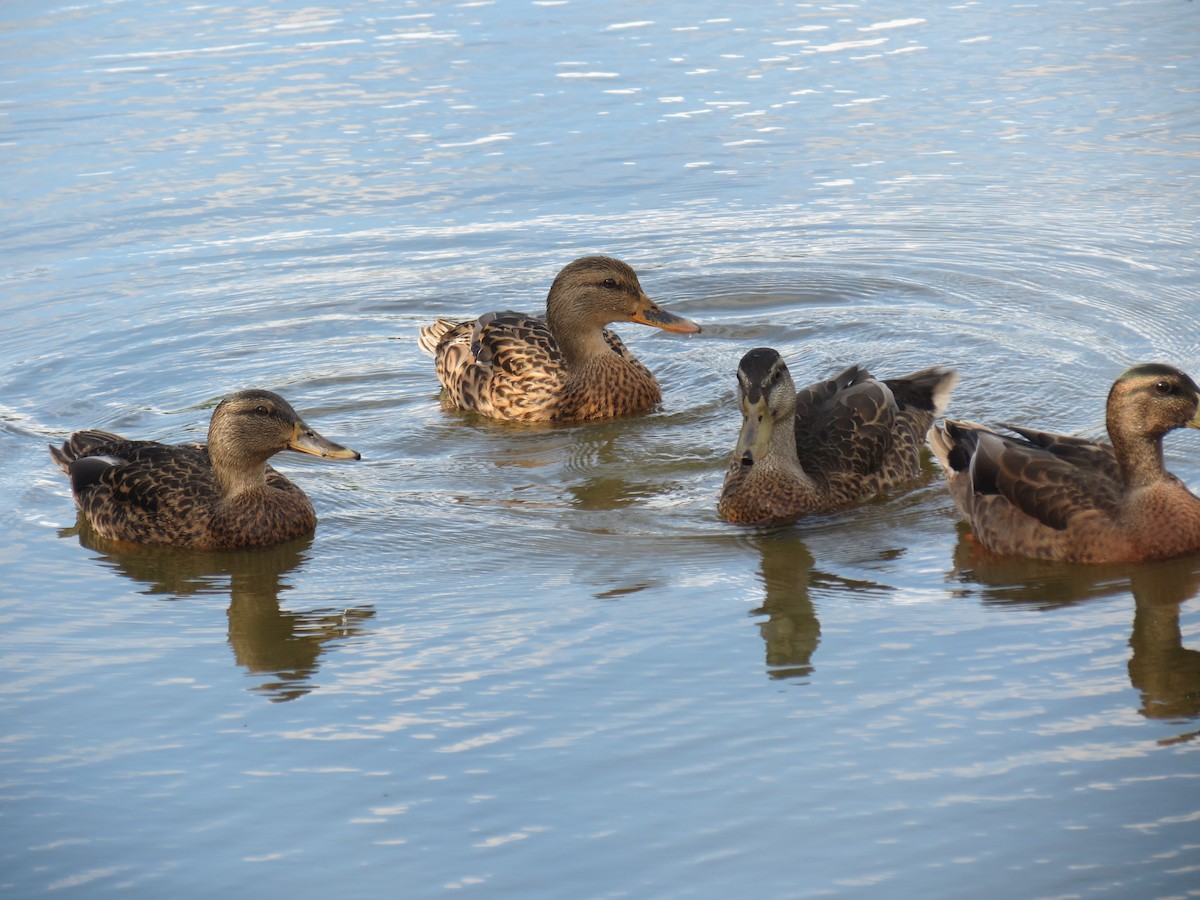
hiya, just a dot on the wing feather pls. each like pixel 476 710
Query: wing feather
pixel 844 425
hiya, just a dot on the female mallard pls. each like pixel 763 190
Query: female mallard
pixel 832 444
pixel 212 496
pixel 562 368
pixel 1056 497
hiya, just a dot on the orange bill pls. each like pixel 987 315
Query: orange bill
pixel 650 313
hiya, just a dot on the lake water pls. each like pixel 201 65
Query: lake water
pixel 531 662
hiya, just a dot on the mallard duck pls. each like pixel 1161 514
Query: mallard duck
pixel 832 444
pixel 212 496
pixel 564 367
pixel 1052 496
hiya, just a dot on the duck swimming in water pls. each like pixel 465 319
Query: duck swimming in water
pixel 827 446
pixel 563 367
pixel 205 496
pixel 1051 496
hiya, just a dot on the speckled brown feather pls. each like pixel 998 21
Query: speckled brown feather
pixel 1050 496
pixel 145 492
pixel 510 365
pixel 151 493
pixel 854 437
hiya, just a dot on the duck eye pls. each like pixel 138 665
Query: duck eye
pixel 262 411
pixel 1164 387
pixel 610 282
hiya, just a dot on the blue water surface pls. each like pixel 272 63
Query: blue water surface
pixel 532 662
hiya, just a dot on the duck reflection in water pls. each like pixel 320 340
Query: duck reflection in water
pixel 1165 673
pixel 792 630
pixel 266 640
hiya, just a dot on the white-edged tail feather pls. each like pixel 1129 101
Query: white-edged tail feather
pixel 430 335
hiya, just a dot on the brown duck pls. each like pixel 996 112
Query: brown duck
pixel 564 367
pixel 830 445
pixel 212 496
pixel 1066 498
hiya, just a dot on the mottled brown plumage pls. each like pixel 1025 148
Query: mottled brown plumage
pixel 830 445
pixel 564 367
pixel 213 496
pixel 1051 496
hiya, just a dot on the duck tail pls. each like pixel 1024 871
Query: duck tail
pixel 81 444
pixel 942 445
pixel 954 441
pixel 431 335
pixel 60 457
pixel 928 390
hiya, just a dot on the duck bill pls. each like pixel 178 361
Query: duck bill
pixel 650 313
pixel 755 436
pixel 305 440
pixel 1194 422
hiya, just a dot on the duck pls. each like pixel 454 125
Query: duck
pixel 1057 497
pixel 217 495
pixel 828 446
pixel 565 366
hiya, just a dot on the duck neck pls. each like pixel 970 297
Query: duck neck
pixel 1140 456
pixel 783 446
pixel 236 473
pixel 577 342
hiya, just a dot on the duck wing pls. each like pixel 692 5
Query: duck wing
pixel 504 364
pixel 141 491
pixel 1050 478
pixel 1080 452
pixel 845 425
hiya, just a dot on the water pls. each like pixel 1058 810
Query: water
pixel 519 661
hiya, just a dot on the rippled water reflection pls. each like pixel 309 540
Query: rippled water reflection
pixel 531 661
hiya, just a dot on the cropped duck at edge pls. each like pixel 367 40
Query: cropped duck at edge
pixel 832 444
pixel 565 367
pixel 1051 496
pixel 214 496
